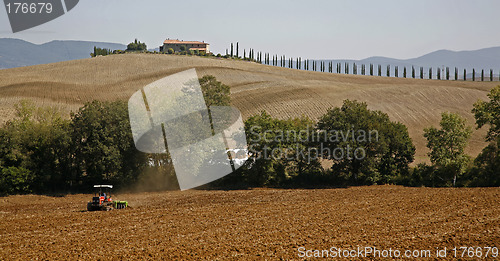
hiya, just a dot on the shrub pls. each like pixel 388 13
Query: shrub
pixel 15 180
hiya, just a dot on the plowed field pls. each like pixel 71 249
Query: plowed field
pixel 250 224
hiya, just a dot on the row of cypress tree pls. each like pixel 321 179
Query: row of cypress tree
pixel 327 66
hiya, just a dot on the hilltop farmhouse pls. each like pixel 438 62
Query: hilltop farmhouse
pixel 190 45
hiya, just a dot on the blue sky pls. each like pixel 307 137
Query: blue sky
pixel 327 29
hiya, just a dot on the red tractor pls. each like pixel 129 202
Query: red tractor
pixel 102 201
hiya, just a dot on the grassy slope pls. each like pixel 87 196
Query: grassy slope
pixel 280 91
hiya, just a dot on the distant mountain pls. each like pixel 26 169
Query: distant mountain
pixel 17 53
pixel 482 59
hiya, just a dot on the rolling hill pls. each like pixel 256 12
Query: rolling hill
pixel 254 87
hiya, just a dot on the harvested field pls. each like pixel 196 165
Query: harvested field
pixel 254 87
pixel 250 224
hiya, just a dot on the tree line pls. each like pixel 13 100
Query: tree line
pixel 444 73
pixel 387 159
pixel 43 152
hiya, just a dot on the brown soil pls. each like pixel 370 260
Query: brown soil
pixel 251 224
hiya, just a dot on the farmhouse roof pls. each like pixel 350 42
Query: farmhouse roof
pixel 168 41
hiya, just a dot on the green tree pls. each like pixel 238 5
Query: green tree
pixel 215 92
pixel 104 148
pixel 487 165
pixel 364 145
pixel 38 140
pixel 279 150
pixel 170 51
pixel 488 113
pixel 15 180
pixel 136 46
pixel 447 146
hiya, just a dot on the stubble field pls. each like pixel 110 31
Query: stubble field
pixel 254 87
pixel 249 224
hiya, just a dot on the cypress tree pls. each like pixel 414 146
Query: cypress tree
pixel 237 50
pixel 379 70
pixel 465 74
pixel 244 54
pixel 412 72
pixel 371 69
pixel 491 75
pixel 456 74
pixel 473 74
pixel 438 74
pixel 421 72
pixel 231 49
pixel 404 72
pixel 448 73
pixel 430 73
pixel 388 71
pixel 354 69
pixel 482 75
pixel 396 71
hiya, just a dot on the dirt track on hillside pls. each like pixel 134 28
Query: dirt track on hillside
pixel 250 224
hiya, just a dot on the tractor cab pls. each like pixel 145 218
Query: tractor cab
pixel 102 194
